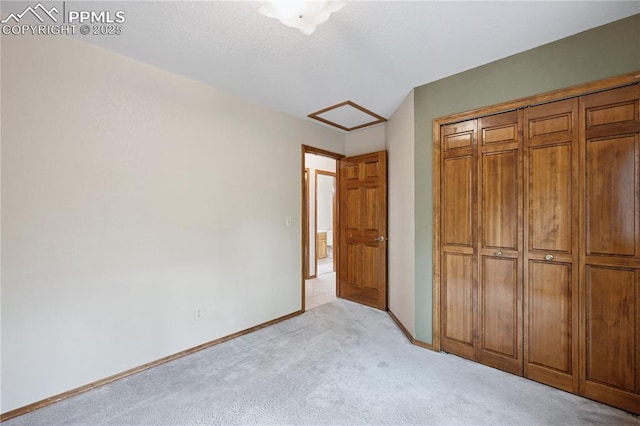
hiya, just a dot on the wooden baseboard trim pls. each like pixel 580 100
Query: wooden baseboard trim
pixel 56 398
pixel 400 325
pixel 413 340
pixel 422 344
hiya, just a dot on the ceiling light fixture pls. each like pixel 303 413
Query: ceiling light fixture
pixel 303 15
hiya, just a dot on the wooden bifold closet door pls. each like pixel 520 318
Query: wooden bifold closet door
pixel 459 239
pixel 610 248
pixel 539 214
pixel 482 240
pixel 551 244
pixel 500 242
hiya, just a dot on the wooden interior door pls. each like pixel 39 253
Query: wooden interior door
pixel 362 272
pixel 551 244
pixel 610 249
pixel 458 210
pixel 500 242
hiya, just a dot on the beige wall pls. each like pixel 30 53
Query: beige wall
pixel 131 197
pixel 364 141
pixel 400 147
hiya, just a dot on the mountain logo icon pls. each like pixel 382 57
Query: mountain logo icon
pixel 38 11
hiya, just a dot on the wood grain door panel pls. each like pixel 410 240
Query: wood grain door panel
pixel 459 138
pixel 610 196
pixel 610 258
pixel 550 304
pixel 500 245
pixel 612 337
pixel 499 341
pixel 551 337
pixel 458 305
pixel 458 210
pixel 500 209
pixel 457 192
pixel 550 196
pixel 612 112
pixel 610 370
pixel 363 229
pixel 551 244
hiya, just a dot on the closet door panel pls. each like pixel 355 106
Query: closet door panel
pixel 499 313
pixel 610 258
pixel 611 321
pixel 551 238
pixel 459 265
pixel 457 201
pixel 458 306
pixel 500 245
pixel 550 198
pixel 458 137
pixel 550 305
pixel 552 122
pixel 610 196
pixel 500 200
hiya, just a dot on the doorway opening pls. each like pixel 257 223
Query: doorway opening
pixel 320 226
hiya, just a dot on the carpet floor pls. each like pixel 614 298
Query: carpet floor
pixel 340 363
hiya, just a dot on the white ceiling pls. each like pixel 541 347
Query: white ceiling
pixel 370 52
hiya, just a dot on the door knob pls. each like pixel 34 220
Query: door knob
pixel 548 257
pixel 380 238
pixel 499 253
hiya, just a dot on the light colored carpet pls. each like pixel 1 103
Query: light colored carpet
pixel 340 363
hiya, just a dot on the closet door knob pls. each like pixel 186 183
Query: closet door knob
pixel 499 253
pixel 548 257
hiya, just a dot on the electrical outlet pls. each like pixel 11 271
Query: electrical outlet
pixel 198 314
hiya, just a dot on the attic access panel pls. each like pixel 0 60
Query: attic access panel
pixel 347 116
